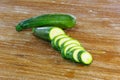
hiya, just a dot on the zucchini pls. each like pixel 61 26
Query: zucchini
pixel 73 55
pixel 72 41
pixel 44 27
pixel 85 58
pixel 73 48
pixel 47 33
pixel 54 41
pixel 66 48
pixel 76 47
pixel 60 20
pixel 79 56
pixel 61 41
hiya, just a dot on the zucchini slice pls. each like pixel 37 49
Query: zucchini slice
pixel 66 48
pixel 76 47
pixel 72 41
pixel 70 52
pixel 55 39
pixel 73 48
pixel 85 58
pixel 73 55
pixel 61 41
pixel 47 33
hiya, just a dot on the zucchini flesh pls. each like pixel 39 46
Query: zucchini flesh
pixel 60 20
pixel 79 56
pixel 73 48
pixel 47 33
pixel 55 32
pixel 75 55
pixel 66 48
pixel 76 47
pixel 55 39
pixel 85 58
pixel 72 41
pixel 61 41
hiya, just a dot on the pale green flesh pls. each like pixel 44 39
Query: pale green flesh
pixel 69 46
pixel 71 42
pixel 86 57
pixel 73 48
pixel 61 41
pixel 75 55
pixel 55 32
pixel 77 47
pixel 57 38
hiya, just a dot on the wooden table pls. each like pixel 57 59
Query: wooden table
pixel 25 57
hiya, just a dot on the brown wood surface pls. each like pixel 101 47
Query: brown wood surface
pixel 25 57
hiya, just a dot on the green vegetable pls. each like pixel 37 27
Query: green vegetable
pixel 85 58
pixel 49 27
pixel 79 56
pixel 73 55
pixel 47 33
pixel 60 20
pixel 72 41
pixel 55 40
pixel 66 48
pixel 61 41
pixel 71 49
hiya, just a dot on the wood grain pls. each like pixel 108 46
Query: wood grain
pixel 24 57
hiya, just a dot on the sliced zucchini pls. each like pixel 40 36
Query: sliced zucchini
pixel 85 58
pixel 47 33
pixel 76 47
pixel 61 41
pixel 72 41
pixel 73 55
pixel 66 48
pixel 55 39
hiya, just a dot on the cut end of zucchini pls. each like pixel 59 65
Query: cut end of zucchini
pixel 86 58
pixel 18 28
pixel 55 32
pixel 75 54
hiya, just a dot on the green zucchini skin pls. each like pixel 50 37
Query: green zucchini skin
pixel 60 20
pixel 45 32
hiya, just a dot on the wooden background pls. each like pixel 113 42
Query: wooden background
pixel 25 57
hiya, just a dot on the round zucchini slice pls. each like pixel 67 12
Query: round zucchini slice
pixel 72 41
pixel 55 39
pixel 66 48
pixel 85 58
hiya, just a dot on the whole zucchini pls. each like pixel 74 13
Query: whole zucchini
pixel 60 20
